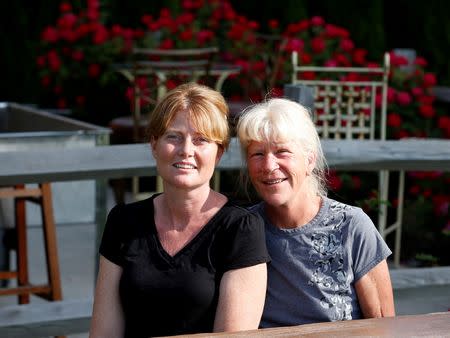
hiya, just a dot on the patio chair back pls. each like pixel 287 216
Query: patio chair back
pixel 349 103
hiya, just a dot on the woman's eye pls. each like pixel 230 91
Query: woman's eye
pixel 200 140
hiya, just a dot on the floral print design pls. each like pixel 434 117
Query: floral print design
pixel 327 254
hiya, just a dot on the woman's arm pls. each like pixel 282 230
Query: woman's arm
pixel 241 299
pixel 107 316
pixel 374 291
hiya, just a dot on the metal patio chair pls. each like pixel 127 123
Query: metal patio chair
pixel 345 107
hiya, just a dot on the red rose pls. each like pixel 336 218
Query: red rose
pixel 420 61
pixel 67 21
pixel 417 91
pixel 77 55
pixel 146 19
pixel 347 45
pixel 394 120
pixel 166 44
pixel 100 35
pixel 426 111
pixel 273 24
pixel 294 44
pixel 204 36
pixel 94 70
pixel 333 31
pixel 317 21
pixel 45 81
pixel 61 103
pixel 317 45
pixel 49 34
pixel 356 182
pixel 186 35
pixel 403 98
pixel 429 80
pixel 359 56
pixel 40 61
pixel 401 134
pixel 305 58
pixel 65 7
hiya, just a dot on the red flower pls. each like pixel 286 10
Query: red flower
pixel 80 100
pixel 401 134
pixel 40 61
pixel 146 19
pixel 294 45
pixel 67 21
pixel 394 120
pixel 317 21
pixel 94 70
pixel 305 58
pixel 420 61
pixel 414 190
pixel 333 31
pixel 335 181
pixel 317 45
pixel 359 56
pixel 186 35
pixel 391 94
pixel 331 63
pixel 65 7
pixel 49 34
pixel 427 111
pixel 166 44
pixel 54 62
pixel 403 98
pixel 77 55
pixel 204 36
pixel 356 182
pixel 100 35
pixel 61 103
pixel 429 80
pixel 347 45
pixel 273 24
pixel 45 81
pixel 417 91
pixel 426 99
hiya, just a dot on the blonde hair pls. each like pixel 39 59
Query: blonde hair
pixel 206 107
pixel 281 120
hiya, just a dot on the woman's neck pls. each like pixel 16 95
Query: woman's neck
pixel 294 214
pixel 180 208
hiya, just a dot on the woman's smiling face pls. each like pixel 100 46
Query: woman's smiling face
pixel 185 159
pixel 277 171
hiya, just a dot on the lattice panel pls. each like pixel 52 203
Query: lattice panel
pixel 344 111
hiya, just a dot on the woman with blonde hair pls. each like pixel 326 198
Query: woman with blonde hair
pixel 187 260
pixel 328 259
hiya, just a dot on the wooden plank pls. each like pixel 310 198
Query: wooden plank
pixel 136 160
pixel 428 325
pixel 45 319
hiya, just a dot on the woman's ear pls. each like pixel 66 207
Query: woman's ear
pixel 310 162
pixel 220 152
pixel 153 146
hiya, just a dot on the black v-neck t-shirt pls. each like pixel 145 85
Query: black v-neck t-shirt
pixel 169 295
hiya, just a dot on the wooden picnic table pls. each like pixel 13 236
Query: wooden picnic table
pixel 428 325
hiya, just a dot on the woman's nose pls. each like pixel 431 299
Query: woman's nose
pixel 270 163
pixel 187 147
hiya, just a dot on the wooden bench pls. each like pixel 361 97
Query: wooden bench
pixel 44 319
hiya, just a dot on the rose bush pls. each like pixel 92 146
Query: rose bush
pixel 77 53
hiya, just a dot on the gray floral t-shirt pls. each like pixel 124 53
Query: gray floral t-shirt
pixel 314 267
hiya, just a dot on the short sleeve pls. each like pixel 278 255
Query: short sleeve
pixel 245 243
pixel 368 247
pixel 111 242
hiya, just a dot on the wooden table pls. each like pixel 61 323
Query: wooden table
pixel 429 325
